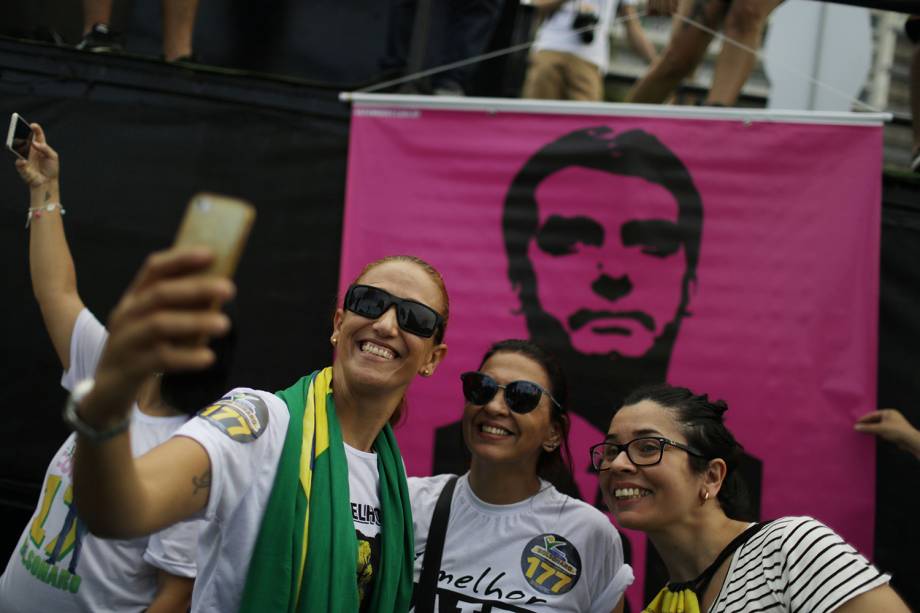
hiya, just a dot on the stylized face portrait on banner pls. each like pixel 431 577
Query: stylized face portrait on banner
pixel 613 221
pixel 736 257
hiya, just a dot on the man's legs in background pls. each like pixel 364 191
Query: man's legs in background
pixel 744 23
pixel 178 28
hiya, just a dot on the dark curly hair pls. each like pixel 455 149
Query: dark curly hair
pixel 701 422
pixel 190 391
pixel 554 466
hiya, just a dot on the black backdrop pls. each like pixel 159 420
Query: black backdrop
pixel 897 518
pixel 138 138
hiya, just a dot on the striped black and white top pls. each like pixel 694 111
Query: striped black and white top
pixel 795 564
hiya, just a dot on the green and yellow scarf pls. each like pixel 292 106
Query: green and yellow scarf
pixel 305 557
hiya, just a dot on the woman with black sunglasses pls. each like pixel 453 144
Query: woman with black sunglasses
pixel 501 534
pixel 668 467
pixel 305 488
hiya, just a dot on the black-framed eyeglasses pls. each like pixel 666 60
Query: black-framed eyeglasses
pixel 642 451
pixel 520 396
pixel 412 316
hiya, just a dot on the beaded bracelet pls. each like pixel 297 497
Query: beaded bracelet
pixel 36 211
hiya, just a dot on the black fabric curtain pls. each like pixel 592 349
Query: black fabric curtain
pixel 137 140
pixel 897 529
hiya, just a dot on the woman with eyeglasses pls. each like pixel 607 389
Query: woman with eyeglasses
pixel 501 535
pixel 668 467
pixel 305 488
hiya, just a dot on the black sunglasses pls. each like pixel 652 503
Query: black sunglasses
pixel 413 317
pixel 520 396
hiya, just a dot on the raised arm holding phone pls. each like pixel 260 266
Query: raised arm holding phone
pixel 277 475
pixel 54 280
pixel 58 566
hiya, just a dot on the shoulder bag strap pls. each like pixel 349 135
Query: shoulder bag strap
pixel 431 563
pixel 702 582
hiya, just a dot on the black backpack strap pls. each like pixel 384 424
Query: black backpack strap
pixel 431 563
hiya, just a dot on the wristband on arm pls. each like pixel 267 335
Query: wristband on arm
pixel 73 419
pixel 36 211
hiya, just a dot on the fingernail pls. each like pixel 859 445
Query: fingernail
pixel 227 287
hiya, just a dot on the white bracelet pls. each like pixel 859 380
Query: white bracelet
pixel 36 211
pixel 73 419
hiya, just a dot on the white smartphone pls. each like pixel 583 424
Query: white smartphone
pixel 19 136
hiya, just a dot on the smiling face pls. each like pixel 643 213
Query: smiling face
pixel 649 498
pixel 496 435
pixel 376 356
pixel 609 259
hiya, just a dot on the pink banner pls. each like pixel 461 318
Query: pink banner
pixel 739 258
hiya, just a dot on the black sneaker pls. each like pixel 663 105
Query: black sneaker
pixel 101 39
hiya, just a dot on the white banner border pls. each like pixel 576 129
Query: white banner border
pixel 510 105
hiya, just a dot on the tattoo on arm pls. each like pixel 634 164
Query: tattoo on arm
pixel 201 482
pixel 47 196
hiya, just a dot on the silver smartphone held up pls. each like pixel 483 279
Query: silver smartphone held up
pixel 19 136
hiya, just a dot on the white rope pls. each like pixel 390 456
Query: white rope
pixel 522 46
pixel 479 58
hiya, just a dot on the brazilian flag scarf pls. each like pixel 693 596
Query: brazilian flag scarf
pixel 305 557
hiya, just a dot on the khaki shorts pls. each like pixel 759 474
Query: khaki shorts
pixel 556 75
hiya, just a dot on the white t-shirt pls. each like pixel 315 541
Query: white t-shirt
pixel 547 553
pixel 557 33
pixel 59 567
pixel 795 564
pixel 363 481
pixel 244 441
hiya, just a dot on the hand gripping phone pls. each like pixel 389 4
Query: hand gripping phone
pixel 220 223
pixel 19 136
